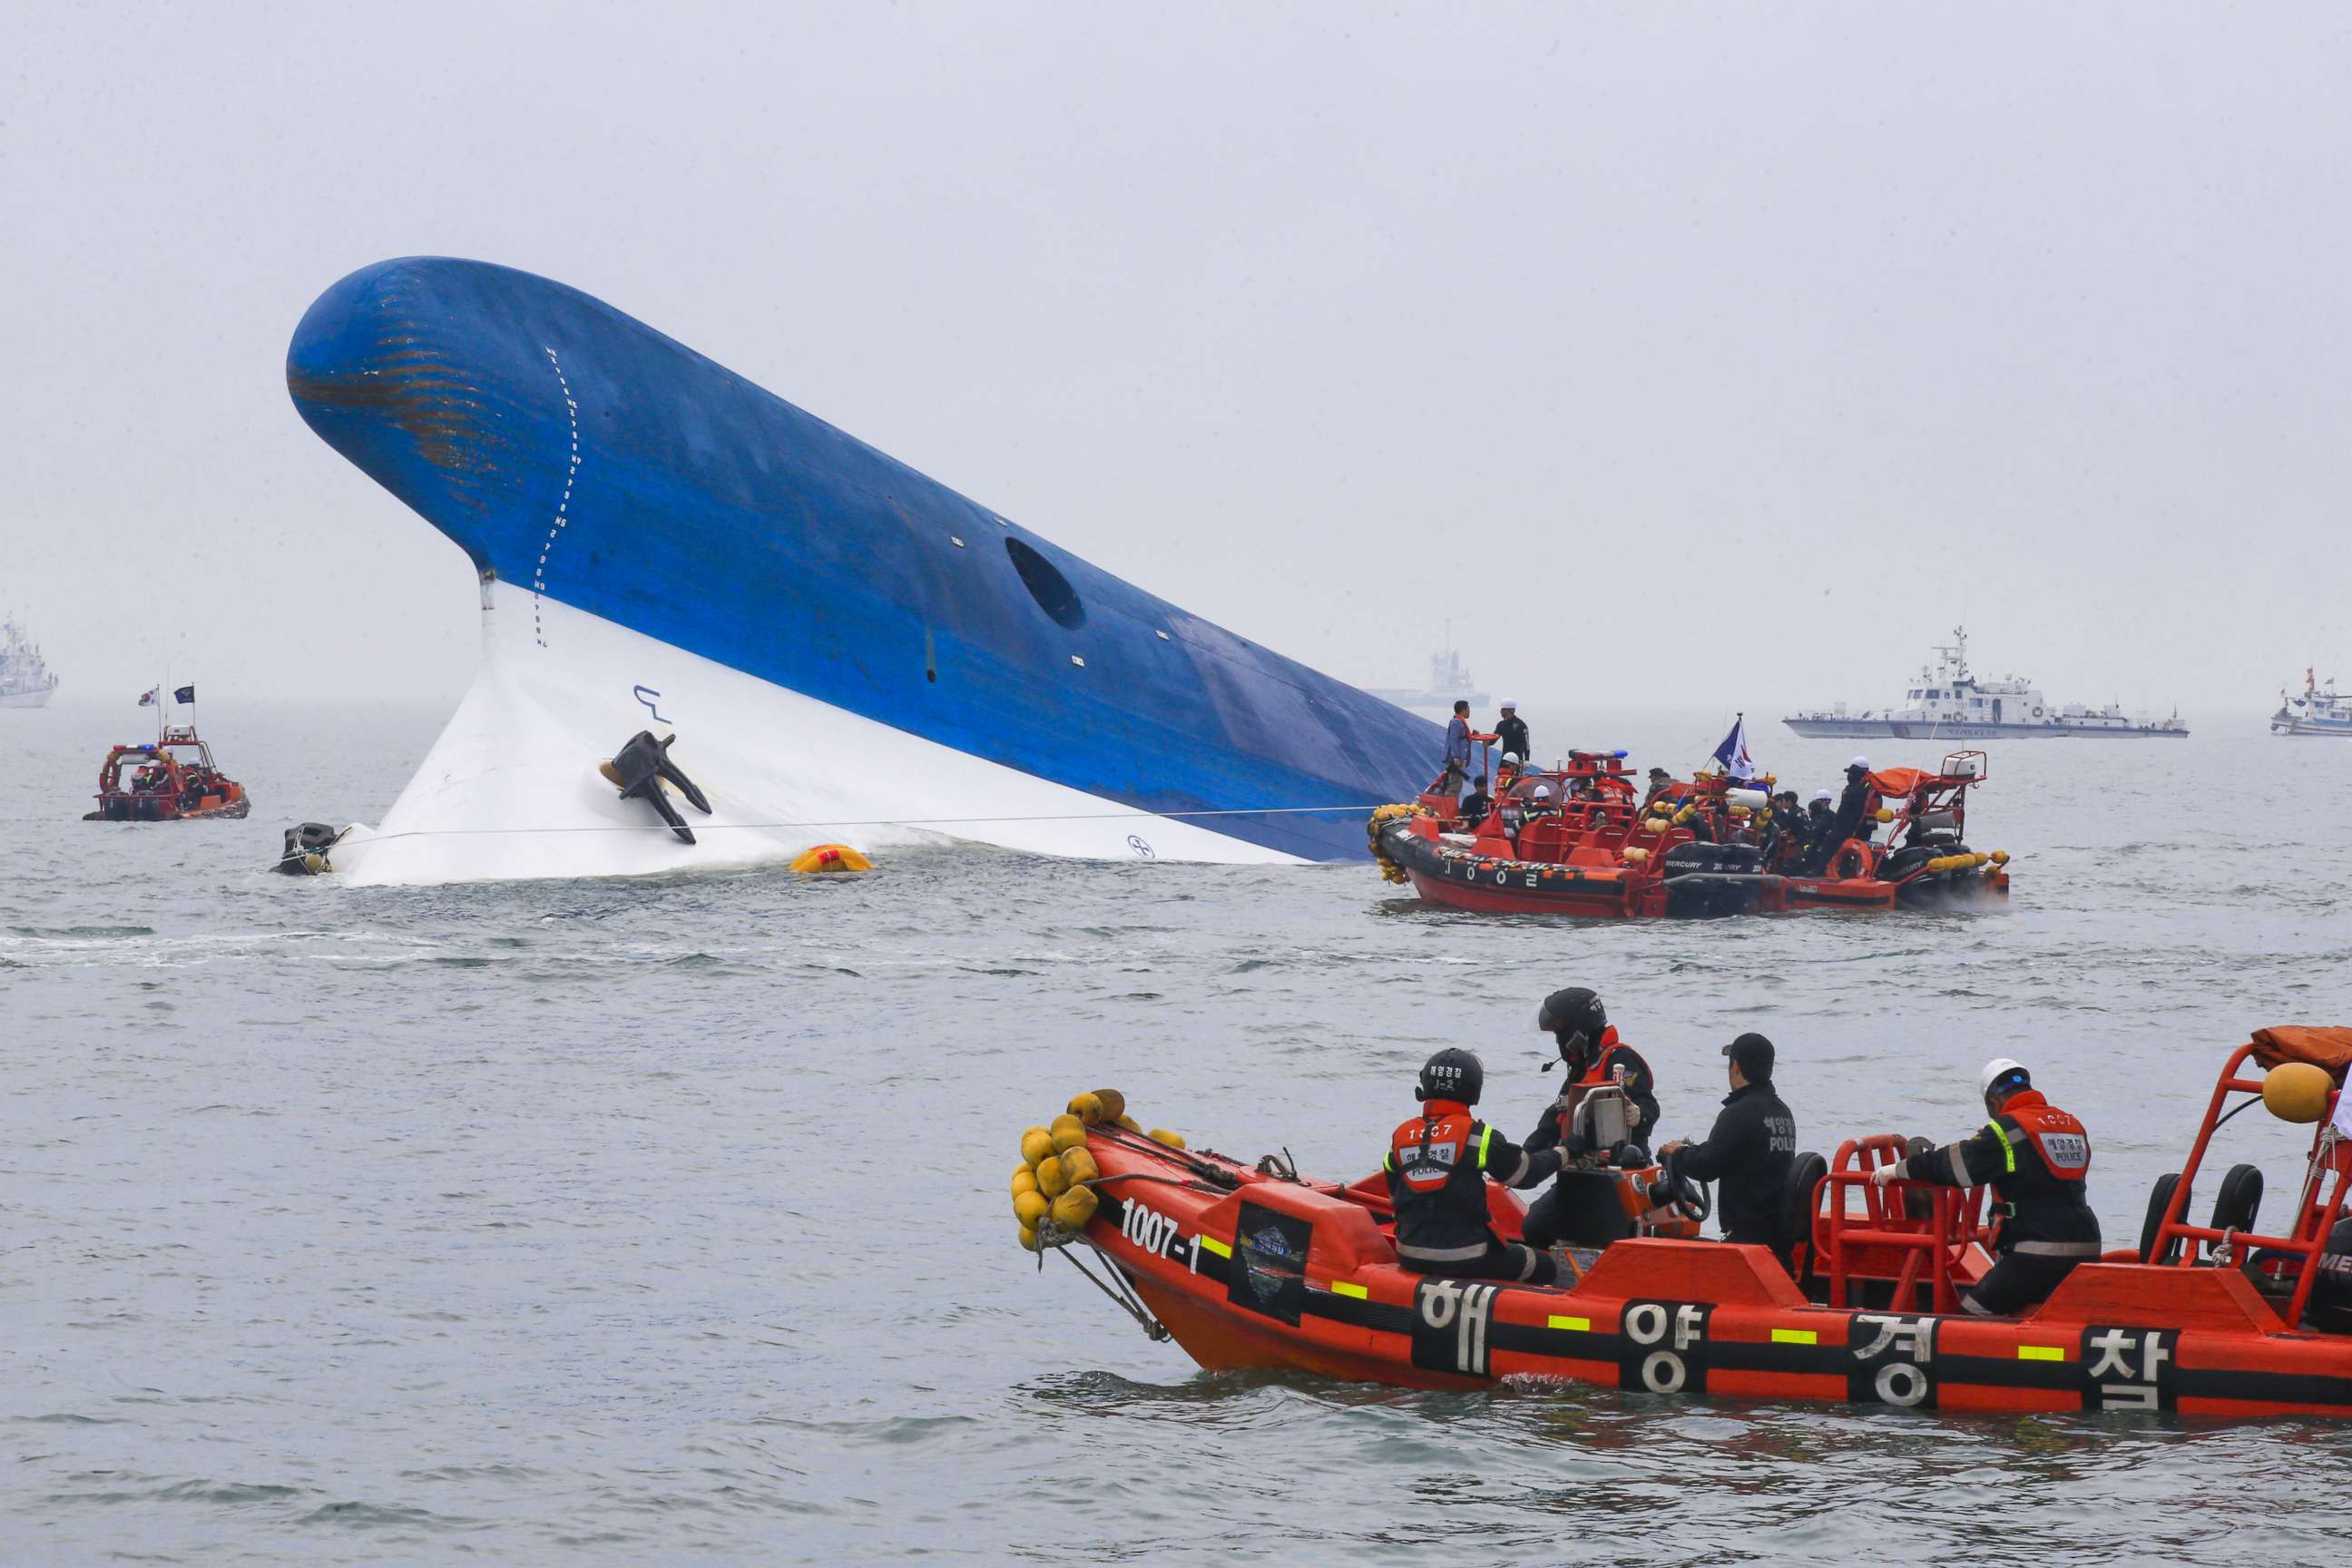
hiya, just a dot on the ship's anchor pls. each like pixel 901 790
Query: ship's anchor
pixel 638 771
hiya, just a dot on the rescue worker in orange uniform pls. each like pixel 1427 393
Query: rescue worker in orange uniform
pixel 1594 1057
pixel 1437 1167
pixel 2035 1158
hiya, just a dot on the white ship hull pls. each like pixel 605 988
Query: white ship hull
pixel 510 790
pixel 37 699
pixel 2290 725
pixel 1932 730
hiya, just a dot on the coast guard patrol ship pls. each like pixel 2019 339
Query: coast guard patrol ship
pixel 1946 702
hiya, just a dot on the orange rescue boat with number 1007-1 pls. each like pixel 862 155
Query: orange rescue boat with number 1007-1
pixel 1253 1267
pixel 1702 851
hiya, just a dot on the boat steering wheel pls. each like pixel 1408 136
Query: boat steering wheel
pixel 1689 1199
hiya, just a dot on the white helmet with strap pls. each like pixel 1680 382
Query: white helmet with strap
pixel 1999 1068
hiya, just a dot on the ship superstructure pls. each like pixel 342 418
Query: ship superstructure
pixel 1947 702
pixel 25 680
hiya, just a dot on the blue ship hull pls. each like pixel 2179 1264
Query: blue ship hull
pixel 583 460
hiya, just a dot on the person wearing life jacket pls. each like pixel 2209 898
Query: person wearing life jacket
pixel 1437 1167
pixel 2035 1157
pixel 1662 786
pixel 1594 1058
pixel 1747 1151
pixel 1821 833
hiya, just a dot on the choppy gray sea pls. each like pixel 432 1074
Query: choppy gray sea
pixel 667 1221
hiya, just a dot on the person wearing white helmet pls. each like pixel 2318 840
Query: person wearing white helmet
pixel 1511 732
pixel 2036 1159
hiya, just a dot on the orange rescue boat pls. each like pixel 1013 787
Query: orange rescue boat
pixel 1251 1266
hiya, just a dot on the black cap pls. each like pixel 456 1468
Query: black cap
pixel 1753 1052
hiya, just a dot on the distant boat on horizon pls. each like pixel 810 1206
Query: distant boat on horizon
pixel 1945 702
pixel 1450 681
pixel 2318 712
pixel 25 680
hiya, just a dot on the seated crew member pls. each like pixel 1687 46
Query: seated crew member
pixel 1661 783
pixel 1437 1167
pixel 1749 1150
pixel 1477 804
pixel 1511 730
pixel 1540 802
pixel 1594 1058
pixel 2035 1158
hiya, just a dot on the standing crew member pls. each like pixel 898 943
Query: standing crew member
pixel 1749 1150
pixel 1594 1057
pixel 1511 730
pixel 2035 1158
pixel 1661 783
pixel 1821 825
pixel 1458 737
pixel 1437 1167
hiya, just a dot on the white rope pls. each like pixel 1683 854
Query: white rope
pixel 878 822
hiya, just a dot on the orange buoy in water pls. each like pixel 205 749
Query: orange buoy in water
pixel 832 857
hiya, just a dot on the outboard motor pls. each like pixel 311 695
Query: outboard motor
pixel 305 854
pixel 640 768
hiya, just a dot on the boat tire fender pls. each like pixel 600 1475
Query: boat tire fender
pixel 2239 1199
pixel 2159 1197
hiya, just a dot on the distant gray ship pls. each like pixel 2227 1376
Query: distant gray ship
pixel 1450 680
pixel 1947 703
pixel 25 680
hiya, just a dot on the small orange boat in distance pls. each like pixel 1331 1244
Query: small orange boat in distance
pixel 1704 850
pixel 1251 1266
pixel 171 779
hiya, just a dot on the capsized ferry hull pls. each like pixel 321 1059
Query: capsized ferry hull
pixel 1924 730
pixel 845 647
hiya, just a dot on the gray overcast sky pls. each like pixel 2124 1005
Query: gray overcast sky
pixel 1698 354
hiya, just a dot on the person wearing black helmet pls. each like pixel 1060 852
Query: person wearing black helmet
pixel 1437 1167
pixel 2035 1157
pixel 1747 1151
pixel 1594 1057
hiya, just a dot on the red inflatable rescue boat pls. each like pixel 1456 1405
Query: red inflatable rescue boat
pixel 1251 1265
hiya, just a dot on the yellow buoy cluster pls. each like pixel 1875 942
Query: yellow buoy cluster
pixel 829 858
pixel 1967 862
pixel 1389 871
pixel 1055 1176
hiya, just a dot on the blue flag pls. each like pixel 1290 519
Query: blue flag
pixel 184 694
pixel 1732 755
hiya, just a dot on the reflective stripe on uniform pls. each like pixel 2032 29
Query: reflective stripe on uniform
pixel 2008 1149
pixel 2058 1248
pixel 1484 1133
pixel 1960 1177
pixel 1443 1254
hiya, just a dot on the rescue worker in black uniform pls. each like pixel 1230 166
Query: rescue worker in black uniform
pixel 1851 806
pixel 1821 829
pixel 1594 1057
pixel 2035 1158
pixel 1437 1167
pixel 1477 804
pixel 1749 1150
pixel 1661 783
pixel 1511 732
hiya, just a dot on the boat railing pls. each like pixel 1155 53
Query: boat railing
pixel 1856 1247
pixel 2327 1173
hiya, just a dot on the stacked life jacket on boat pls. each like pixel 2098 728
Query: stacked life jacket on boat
pixel 1437 1167
pixel 2035 1157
